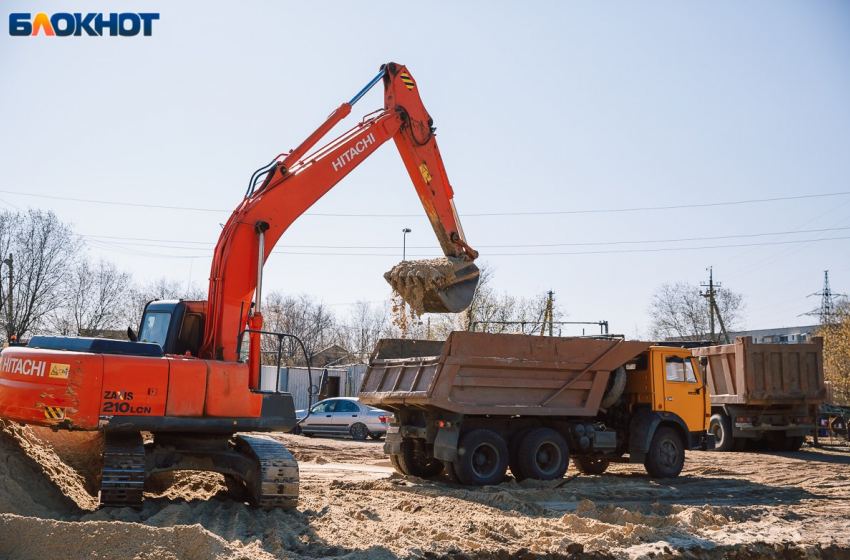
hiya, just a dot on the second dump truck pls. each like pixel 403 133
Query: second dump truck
pixel 479 403
pixel 763 392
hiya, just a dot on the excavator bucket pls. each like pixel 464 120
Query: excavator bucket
pixel 444 285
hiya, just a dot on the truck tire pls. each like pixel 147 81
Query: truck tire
pixel 615 388
pixel 666 455
pixel 513 453
pixel 591 465
pixel 396 463
pixel 544 455
pixel 721 426
pixel 414 464
pixel 482 458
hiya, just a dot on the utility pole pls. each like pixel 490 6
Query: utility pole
pixel 548 315
pixel 827 302
pixel 9 314
pixel 712 306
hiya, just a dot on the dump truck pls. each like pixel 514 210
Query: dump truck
pixel 763 392
pixel 478 403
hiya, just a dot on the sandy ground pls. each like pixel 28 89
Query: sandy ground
pixel 353 505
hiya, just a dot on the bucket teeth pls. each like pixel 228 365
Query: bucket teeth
pixel 444 285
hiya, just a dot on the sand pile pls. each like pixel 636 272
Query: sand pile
pixel 352 507
pixel 33 478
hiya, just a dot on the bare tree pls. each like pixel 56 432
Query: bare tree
pixel 504 312
pixel 140 294
pixel 41 250
pixel 94 300
pixel 364 326
pixel 680 311
pixel 302 316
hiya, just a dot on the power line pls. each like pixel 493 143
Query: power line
pixel 472 214
pixel 112 247
pixel 535 254
pixel 514 246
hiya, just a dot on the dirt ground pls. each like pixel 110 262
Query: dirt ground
pixel 354 506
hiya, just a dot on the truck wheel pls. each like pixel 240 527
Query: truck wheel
pixel 482 458
pixel 544 455
pixel 615 388
pixel 590 465
pixel 359 431
pixel 666 455
pixel 721 426
pixel 513 453
pixel 415 464
pixel 396 463
pixel 451 472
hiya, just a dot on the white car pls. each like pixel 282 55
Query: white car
pixel 343 416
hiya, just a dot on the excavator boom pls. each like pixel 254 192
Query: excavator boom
pixel 299 180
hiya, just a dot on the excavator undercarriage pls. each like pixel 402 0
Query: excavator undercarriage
pixel 258 468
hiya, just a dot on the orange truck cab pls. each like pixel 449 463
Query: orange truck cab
pixel 666 385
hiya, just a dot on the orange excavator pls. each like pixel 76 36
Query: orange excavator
pixel 185 378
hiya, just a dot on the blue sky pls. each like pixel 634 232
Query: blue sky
pixel 539 107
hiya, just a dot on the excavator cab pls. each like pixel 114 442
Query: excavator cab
pixel 176 325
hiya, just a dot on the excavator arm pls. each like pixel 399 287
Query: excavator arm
pixel 296 182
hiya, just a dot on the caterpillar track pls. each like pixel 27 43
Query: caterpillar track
pixel 262 466
pixel 123 474
pixel 278 483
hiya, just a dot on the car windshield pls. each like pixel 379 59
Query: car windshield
pixel 155 327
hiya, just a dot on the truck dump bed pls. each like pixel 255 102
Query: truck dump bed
pixel 496 374
pixel 764 374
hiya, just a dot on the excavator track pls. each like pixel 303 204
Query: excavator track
pixel 123 474
pixel 278 482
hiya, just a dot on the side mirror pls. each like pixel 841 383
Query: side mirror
pixel 323 381
pixel 703 361
pixel 131 334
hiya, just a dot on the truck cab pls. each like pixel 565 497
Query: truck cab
pixel 669 382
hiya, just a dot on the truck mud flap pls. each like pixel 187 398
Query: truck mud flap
pixel 640 435
pixel 445 445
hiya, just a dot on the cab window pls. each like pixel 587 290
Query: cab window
pixel 155 327
pixel 690 376
pixel 679 369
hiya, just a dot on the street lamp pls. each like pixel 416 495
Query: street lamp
pixel 405 231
